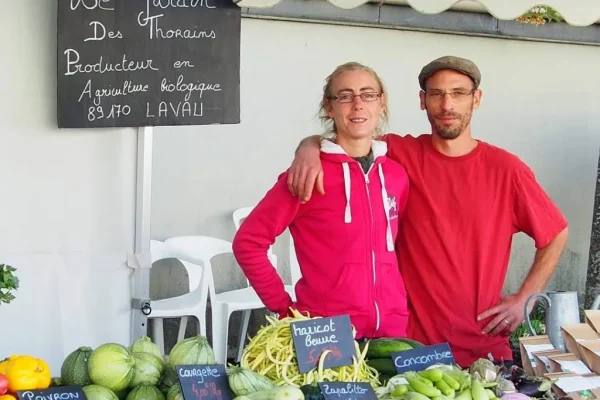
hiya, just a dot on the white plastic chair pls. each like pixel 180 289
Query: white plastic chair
pixel 200 250
pixel 189 304
pixel 295 272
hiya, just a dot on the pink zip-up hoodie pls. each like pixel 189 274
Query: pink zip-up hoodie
pixel 344 243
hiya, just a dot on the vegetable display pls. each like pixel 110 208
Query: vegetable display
pixel 268 371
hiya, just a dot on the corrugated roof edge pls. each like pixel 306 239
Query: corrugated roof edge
pixel 391 16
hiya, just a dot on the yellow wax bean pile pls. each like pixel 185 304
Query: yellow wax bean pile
pixel 271 353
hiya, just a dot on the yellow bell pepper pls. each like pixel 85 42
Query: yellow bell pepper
pixel 4 363
pixel 27 373
pixel 7 397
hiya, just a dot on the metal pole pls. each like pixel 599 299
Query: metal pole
pixel 140 260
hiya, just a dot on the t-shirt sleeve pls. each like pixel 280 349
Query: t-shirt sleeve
pixel 534 212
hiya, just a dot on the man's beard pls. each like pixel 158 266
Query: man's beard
pixel 450 132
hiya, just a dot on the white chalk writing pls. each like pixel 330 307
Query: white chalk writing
pixel 201 373
pixel 181 86
pixel 93 4
pixel 100 32
pixel 101 67
pixel 128 88
pixel 350 388
pixel 146 19
pixel 177 109
pixel 49 396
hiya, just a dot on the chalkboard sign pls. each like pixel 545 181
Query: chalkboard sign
pixel 53 393
pixel 313 337
pixel 347 391
pixel 148 62
pixel 423 357
pixel 204 382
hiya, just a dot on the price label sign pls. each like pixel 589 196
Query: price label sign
pixel 206 382
pixel 314 337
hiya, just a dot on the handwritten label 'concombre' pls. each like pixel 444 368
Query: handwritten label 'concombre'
pixel 421 358
pixel 133 82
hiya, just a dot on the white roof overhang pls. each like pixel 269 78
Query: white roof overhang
pixel 574 12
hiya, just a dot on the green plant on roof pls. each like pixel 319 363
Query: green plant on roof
pixel 8 283
pixel 539 15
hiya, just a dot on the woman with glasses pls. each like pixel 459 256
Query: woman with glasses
pixel 345 238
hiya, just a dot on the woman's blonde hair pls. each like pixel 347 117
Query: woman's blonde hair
pixel 328 122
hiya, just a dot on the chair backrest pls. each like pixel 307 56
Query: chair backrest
pixel 294 266
pixel 160 251
pixel 200 250
pixel 239 215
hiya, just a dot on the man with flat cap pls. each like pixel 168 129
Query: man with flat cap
pixel 467 199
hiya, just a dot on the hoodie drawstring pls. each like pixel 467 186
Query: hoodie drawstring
pixel 348 212
pixel 386 206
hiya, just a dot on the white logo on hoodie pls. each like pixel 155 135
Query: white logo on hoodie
pixel 392 207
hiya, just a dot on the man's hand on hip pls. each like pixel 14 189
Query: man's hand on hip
pixel 507 315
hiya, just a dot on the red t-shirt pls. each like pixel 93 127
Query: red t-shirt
pixel 455 238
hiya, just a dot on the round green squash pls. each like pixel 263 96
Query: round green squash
pixel 145 392
pixel 192 351
pixel 174 393
pixel 97 392
pixel 147 370
pixel 111 365
pixel 74 370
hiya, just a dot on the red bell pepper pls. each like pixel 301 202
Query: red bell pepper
pixel 3 384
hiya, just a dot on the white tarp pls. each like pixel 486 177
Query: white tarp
pixel 575 12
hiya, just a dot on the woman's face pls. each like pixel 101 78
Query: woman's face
pixel 358 106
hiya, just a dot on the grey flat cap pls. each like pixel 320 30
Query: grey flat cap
pixel 462 65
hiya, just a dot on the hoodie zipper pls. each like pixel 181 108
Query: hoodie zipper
pixel 372 249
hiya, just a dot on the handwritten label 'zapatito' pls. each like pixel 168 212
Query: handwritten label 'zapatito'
pixel 421 358
pixel 312 338
pixel 53 393
pixel 203 382
pixel 347 391
pixel 148 62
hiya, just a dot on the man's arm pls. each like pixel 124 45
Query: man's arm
pixel 306 169
pixel 512 308
pixel 538 216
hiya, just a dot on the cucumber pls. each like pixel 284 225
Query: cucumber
pixel 384 347
pixel 385 366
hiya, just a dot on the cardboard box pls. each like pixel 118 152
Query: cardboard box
pixel 575 334
pixel 590 352
pixel 592 318
pixel 529 345
pixel 568 362
pixel 576 386
pixel 542 363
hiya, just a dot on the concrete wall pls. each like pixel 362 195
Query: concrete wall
pixel 67 205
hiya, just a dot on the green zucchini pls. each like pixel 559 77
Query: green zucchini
pixel 278 393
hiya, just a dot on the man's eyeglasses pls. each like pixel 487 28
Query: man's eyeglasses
pixel 349 97
pixel 435 94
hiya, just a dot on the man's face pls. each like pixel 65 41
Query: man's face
pixel 449 100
